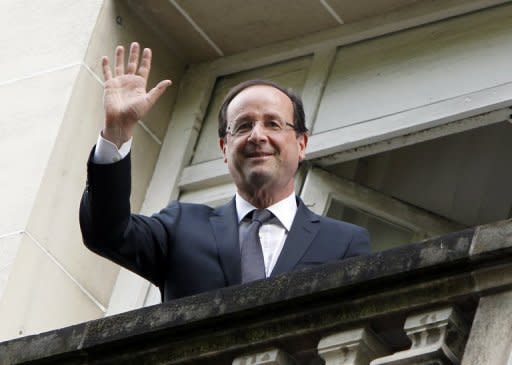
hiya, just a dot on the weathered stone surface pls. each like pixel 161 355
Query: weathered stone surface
pixel 493 276
pixel 357 346
pixel 291 311
pixel 490 340
pixel 269 357
pixel 492 238
pixel 438 337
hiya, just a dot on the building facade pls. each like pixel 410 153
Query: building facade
pixel 407 102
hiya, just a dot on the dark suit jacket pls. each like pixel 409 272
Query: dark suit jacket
pixel 190 248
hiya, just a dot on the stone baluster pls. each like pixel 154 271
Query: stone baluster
pixel 269 357
pixel 438 337
pixel 352 347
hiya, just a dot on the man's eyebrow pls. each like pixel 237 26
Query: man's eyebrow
pixel 272 115
pixel 244 116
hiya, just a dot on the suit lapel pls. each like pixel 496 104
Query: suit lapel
pixel 225 229
pixel 304 228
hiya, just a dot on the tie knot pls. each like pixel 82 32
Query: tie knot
pixel 261 215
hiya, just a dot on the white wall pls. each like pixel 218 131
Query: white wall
pixel 51 92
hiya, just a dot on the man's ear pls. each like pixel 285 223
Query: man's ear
pixel 302 142
pixel 223 146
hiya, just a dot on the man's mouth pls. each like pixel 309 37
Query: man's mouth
pixel 258 154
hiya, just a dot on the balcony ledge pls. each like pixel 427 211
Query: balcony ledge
pixel 293 310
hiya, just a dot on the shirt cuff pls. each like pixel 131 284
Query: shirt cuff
pixel 107 152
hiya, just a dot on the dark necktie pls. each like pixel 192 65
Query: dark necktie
pixel 253 264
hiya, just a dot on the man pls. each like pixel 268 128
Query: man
pixel 189 248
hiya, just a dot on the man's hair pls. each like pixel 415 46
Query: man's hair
pixel 299 119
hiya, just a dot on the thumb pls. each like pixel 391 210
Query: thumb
pixel 158 90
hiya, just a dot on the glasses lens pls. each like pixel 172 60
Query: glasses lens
pixel 243 128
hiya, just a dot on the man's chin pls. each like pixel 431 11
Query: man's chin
pixel 259 177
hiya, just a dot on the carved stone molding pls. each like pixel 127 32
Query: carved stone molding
pixel 269 357
pixel 353 347
pixel 438 337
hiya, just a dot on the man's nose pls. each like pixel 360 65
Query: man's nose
pixel 258 132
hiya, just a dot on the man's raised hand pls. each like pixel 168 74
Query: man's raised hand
pixel 125 98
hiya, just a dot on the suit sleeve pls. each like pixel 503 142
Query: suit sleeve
pixel 360 243
pixel 137 242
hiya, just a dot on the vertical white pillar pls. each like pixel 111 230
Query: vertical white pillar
pixel 490 340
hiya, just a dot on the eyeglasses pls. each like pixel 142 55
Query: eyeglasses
pixel 244 128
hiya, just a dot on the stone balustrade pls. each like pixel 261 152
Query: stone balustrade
pixel 438 336
pixel 447 300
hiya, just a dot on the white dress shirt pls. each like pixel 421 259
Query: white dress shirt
pixel 107 152
pixel 272 234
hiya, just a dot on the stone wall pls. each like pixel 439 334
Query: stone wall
pixel 51 91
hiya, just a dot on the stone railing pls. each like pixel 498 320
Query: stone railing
pixel 442 301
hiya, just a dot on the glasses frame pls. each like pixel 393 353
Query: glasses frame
pixel 269 131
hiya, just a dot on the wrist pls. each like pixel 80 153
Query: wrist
pixel 116 135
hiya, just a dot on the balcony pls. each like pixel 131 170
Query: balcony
pixel 447 300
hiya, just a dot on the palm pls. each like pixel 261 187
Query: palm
pixel 125 97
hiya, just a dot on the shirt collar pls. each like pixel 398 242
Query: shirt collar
pixel 283 210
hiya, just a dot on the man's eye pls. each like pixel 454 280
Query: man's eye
pixel 243 127
pixel 273 124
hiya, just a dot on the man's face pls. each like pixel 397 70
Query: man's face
pixel 263 158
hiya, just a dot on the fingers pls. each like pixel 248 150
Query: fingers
pixel 132 68
pixel 107 74
pixel 119 66
pixel 158 90
pixel 133 58
pixel 145 64
pixel 133 61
